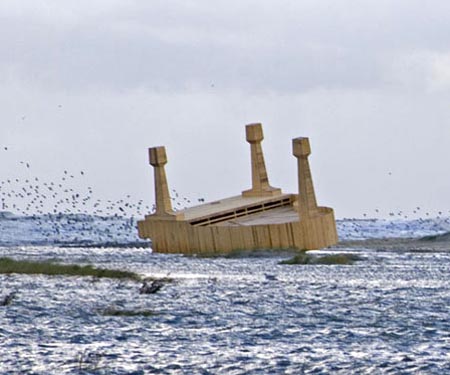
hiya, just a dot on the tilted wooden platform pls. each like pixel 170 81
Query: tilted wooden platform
pixel 260 218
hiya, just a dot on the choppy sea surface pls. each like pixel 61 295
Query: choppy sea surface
pixel 386 314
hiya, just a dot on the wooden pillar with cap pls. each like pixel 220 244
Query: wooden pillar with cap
pixel 260 180
pixel 307 204
pixel 158 159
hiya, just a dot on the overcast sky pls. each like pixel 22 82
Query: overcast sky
pixel 91 84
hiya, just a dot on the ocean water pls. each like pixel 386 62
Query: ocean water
pixel 385 314
pixel 102 231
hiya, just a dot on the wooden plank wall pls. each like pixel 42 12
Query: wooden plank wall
pixel 167 236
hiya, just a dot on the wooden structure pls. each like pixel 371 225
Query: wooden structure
pixel 262 217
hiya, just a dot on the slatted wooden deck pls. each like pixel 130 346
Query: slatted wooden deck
pixel 233 208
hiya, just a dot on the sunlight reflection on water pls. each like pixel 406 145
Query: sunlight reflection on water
pixel 386 313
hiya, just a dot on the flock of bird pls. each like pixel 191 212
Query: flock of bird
pixel 66 208
pixel 36 196
pixel 417 212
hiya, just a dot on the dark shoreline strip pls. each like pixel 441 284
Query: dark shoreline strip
pixel 9 266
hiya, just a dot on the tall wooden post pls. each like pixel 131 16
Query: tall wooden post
pixel 158 159
pixel 307 205
pixel 260 180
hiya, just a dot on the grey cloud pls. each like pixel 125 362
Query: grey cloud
pixel 275 46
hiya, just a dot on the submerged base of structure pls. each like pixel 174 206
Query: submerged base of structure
pixel 249 224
